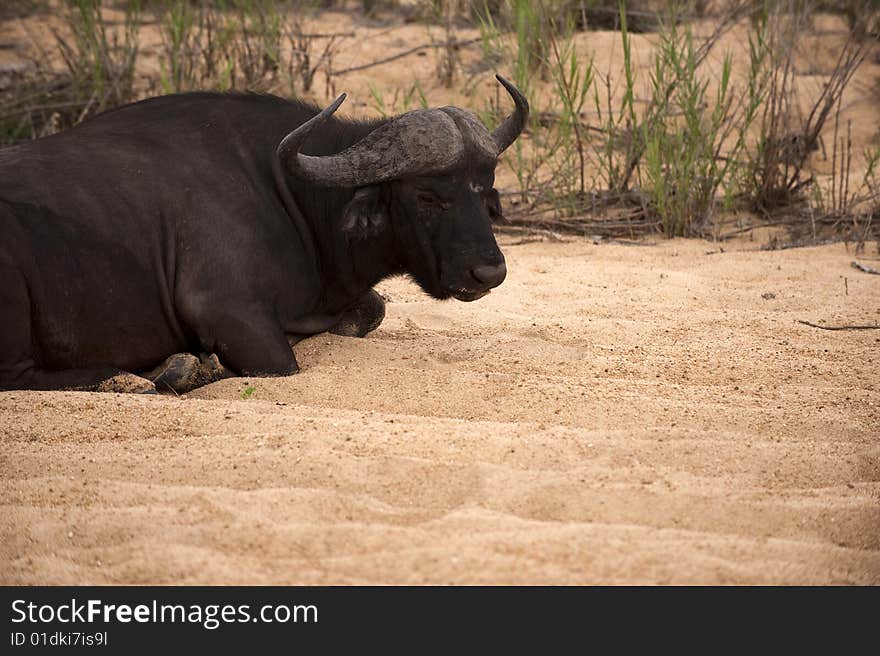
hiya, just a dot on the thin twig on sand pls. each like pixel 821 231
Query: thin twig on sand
pixel 525 230
pixel 405 53
pixel 865 268
pixel 844 327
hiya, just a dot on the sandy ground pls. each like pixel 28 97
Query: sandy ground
pixel 611 414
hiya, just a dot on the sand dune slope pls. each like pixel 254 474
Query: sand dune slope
pixel 611 414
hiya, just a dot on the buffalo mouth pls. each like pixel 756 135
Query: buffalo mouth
pixel 468 296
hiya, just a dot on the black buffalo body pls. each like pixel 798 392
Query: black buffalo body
pixel 214 223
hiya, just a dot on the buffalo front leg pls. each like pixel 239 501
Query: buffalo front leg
pixel 362 317
pixel 253 344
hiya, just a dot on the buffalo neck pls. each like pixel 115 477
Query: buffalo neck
pixel 349 267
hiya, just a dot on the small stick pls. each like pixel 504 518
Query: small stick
pixel 865 268
pixel 846 327
pixel 848 164
pixel 524 230
pixel 405 53
pixel 834 203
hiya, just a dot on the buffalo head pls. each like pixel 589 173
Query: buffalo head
pixel 428 176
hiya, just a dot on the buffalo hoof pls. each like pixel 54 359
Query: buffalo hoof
pixel 180 372
pixel 362 317
pixel 183 372
pixel 127 383
pixel 212 370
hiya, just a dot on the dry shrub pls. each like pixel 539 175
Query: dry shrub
pixel 260 45
pixel 777 173
pixel 98 73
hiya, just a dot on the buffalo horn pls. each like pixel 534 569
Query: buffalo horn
pixel 506 133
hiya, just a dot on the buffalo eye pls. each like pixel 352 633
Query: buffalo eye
pixel 475 187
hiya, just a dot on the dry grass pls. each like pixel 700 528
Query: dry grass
pixel 671 145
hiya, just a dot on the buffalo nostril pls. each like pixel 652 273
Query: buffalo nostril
pixel 490 275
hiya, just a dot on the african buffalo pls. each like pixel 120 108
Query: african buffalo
pixel 199 223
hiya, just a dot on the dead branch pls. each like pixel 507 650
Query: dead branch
pixel 322 35
pixel 525 230
pixel 405 53
pixel 865 268
pixel 844 327
pixel 766 224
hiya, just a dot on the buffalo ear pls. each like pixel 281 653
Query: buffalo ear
pixel 365 215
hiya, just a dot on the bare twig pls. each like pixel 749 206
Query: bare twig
pixel 766 224
pixel 582 226
pixel 526 230
pixel 323 35
pixel 844 327
pixel 865 268
pixel 405 53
